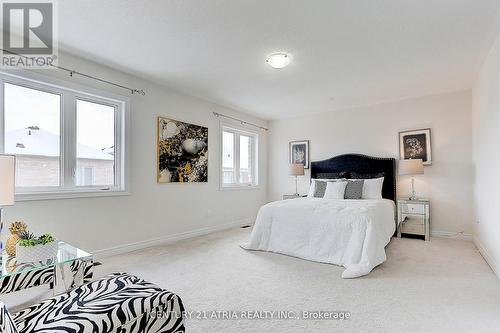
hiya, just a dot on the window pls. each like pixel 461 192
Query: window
pixel 32 133
pixel 239 158
pixel 67 142
pixel 95 143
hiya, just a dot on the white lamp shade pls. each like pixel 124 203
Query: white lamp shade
pixel 296 169
pixel 411 167
pixel 7 179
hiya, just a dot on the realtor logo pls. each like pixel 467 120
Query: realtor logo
pixel 28 34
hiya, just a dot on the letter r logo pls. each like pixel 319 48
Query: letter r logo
pixel 27 27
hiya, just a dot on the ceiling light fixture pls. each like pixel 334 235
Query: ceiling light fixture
pixel 279 60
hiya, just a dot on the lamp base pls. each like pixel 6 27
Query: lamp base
pixel 296 188
pixel 1 243
pixel 413 197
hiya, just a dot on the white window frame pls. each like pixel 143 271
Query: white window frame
pixel 70 93
pixel 237 131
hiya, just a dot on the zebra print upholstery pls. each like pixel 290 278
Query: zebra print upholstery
pixel 81 271
pixel 7 324
pixel 116 303
pixel 28 279
pixel 31 275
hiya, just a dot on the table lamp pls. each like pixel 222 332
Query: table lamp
pixel 296 169
pixel 7 187
pixel 411 167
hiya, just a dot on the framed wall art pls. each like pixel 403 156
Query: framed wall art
pixel 182 152
pixel 416 144
pixel 299 153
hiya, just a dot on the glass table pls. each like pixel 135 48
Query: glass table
pixel 71 268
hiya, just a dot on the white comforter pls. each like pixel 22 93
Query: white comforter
pixel 349 233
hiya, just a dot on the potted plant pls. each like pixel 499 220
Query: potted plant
pixel 33 249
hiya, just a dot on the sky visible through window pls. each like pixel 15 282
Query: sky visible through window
pixel 244 150
pixel 228 147
pixel 96 124
pixel 27 107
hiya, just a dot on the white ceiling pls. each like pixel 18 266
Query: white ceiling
pixel 345 53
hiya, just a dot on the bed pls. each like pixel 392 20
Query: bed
pixel 348 233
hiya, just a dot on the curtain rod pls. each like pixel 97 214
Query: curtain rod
pixel 72 72
pixel 240 121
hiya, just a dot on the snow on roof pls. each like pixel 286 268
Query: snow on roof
pixel 40 142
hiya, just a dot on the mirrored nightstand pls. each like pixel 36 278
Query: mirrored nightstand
pixel 414 217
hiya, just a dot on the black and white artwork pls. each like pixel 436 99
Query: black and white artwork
pixel 416 144
pixel 182 152
pixel 299 153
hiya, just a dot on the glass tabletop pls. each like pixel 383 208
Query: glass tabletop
pixel 65 254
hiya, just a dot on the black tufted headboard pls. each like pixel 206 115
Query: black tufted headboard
pixel 360 164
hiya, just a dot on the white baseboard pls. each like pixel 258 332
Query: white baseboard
pixel 120 249
pixel 495 266
pixel 450 234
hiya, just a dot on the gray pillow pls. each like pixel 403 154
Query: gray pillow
pixel 354 189
pixel 319 189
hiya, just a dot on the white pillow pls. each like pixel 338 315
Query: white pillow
pixel 335 190
pixel 372 188
pixel 312 187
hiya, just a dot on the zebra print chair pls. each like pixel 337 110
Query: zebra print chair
pixel 115 303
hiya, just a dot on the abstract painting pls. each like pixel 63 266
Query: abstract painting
pixel 182 152
pixel 299 153
pixel 416 144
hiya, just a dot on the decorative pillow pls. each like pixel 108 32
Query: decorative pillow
pixel 332 175
pixel 372 188
pixel 319 189
pixel 335 190
pixel 312 186
pixel 357 175
pixel 354 189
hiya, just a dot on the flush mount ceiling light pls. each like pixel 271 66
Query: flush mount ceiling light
pixel 279 60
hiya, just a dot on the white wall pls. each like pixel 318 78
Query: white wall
pixel 374 131
pixel 152 210
pixel 486 152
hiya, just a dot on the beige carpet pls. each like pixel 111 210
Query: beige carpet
pixel 438 286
